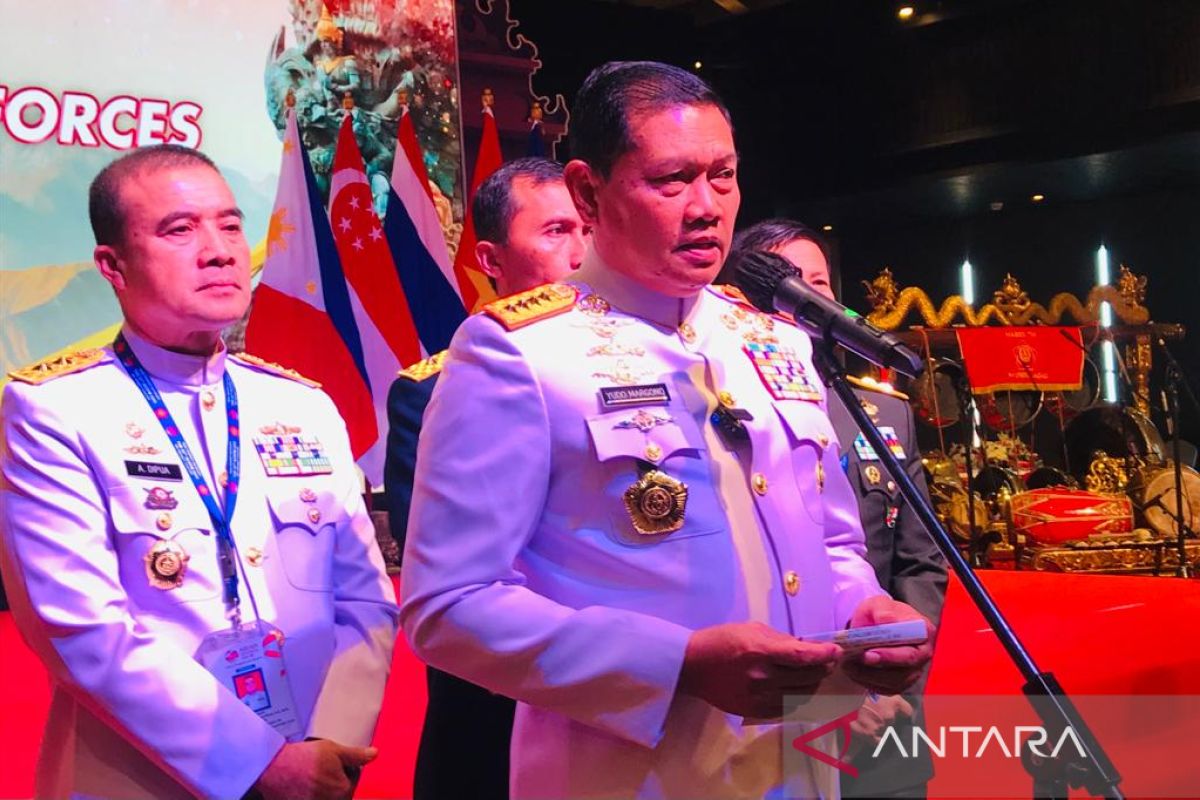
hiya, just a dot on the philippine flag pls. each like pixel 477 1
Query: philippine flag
pixel 303 314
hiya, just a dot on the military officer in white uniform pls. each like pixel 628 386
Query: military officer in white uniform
pixel 628 503
pixel 116 565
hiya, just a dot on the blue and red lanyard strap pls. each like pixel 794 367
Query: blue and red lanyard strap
pixel 220 517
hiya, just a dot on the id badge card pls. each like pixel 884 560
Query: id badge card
pixel 248 661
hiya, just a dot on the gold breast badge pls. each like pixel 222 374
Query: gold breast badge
pixel 613 349
pixel 166 563
pixel 622 374
pixel 656 503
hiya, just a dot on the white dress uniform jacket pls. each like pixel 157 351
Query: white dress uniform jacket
pixel 523 571
pixel 133 715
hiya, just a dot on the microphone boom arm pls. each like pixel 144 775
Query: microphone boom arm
pixel 1047 697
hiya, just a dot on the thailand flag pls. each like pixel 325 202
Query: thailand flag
pixel 303 315
pixel 414 234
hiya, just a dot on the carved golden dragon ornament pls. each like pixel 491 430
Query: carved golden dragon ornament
pixel 1010 305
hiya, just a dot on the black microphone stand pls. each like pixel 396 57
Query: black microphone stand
pixel 1051 778
pixel 1174 376
pixel 979 540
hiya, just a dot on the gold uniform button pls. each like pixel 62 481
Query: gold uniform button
pixel 726 398
pixel 791 582
pixel 687 332
pixel 314 515
pixel 653 452
pixel 760 483
pixel 823 440
pixel 254 556
pixel 208 400
pixel 163 521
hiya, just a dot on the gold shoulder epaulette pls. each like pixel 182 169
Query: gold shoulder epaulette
pixel 735 294
pixel 274 369
pixel 525 308
pixel 425 368
pixel 872 385
pixel 56 366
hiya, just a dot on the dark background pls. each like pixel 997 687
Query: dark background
pixel 902 135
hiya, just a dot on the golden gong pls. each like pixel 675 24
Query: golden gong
pixel 656 503
pixel 166 563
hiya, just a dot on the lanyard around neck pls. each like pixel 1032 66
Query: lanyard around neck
pixel 221 517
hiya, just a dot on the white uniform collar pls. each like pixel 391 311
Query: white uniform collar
pixel 632 297
pixel 177 368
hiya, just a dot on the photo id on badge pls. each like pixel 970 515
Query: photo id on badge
pixel 248 661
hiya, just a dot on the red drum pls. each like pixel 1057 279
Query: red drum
pixel 1055 515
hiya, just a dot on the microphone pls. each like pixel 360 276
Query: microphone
pixel 772 284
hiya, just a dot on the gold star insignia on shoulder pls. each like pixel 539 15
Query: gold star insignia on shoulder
pixel 56 366
pixel 872 385
pixel 524 308
pixel 273 368
pixel 426 368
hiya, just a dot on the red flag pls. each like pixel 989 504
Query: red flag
pixel 473 284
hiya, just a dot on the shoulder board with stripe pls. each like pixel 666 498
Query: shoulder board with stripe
pixel 57 366
pixel 525 308
pixel 735 294
pixel 273 368
pixel 426 368
pixel 738 297
pixel 872 385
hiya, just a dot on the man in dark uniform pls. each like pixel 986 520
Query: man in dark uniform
pixel 906 561
pixel 529 233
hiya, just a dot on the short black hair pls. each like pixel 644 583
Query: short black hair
pixel 612 93
pixel 104 196
pixel 772 233
pixel 768 235
pixel 492 209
